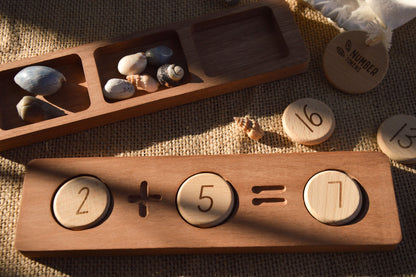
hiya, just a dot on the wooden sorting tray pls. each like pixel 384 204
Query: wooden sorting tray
pixel 220 53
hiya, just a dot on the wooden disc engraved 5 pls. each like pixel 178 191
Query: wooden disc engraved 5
pixel 308 121
pixel 205 200
pixel 81 203
pixel 396 137
pixel 351 65
pixel 332 197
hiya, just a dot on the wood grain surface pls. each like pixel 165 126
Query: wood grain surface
pixel 279 223
pixel 220 53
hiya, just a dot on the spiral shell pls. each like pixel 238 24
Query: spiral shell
pixel 143 82
pixel 159 55
pixel 170 75
pixel 132 64
pixel 33 110
pixel 38 79
pixel 251 127
pixel 118 89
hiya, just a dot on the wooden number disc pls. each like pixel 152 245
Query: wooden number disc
pixel 351 65
pixel 332 197
pixel 205 200
pixel 308 121
pixel 81 203
pixel 396 137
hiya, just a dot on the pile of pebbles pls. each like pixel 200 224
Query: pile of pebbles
pixel 133 66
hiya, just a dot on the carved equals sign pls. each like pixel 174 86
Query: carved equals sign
pixel 259 189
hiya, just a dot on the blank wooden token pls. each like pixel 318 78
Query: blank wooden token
pixel 205 200
pixel 81 203
pixel 332 197
pixel 351 65
pixel 308 121
pixel 396 137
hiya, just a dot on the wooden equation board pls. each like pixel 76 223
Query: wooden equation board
pixel 207 204
pixel 227 51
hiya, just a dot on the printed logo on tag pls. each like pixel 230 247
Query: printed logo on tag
pixel 353 66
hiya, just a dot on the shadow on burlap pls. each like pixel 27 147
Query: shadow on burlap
pixel 206 127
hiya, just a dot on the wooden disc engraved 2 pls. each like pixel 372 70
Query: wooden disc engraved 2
pixel 308 121
pixel 332 197
pixel 351 65
pixel 81 203
pixel 396 137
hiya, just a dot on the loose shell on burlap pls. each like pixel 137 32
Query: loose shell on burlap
pixel 251 127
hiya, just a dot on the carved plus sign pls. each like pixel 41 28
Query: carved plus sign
pixel 143 197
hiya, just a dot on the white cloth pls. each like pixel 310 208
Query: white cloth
pixel 378 17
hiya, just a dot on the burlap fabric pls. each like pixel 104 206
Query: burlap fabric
pixel 29 28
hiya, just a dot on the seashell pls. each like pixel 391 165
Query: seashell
pixel 170 75
pixel 118 89
pixel 132 64
pixel 159 55
pixel 251 127
pixel 38 79
pixel 33 110
pixel 144 82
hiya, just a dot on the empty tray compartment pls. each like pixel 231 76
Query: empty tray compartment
pixel 72 97
pixel 107 57
pixel 249 41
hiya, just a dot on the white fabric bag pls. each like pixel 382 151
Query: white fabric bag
pixel 377 17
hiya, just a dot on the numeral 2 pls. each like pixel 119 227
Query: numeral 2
pixel 83 201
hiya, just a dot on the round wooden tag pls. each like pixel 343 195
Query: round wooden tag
pixel 333 198
pixel 351 65
pixel 308 121
pixel 396 137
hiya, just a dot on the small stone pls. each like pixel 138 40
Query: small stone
pixel 118 89
pixel 40 80
pixel 159 55
pixel 33 110
pixel 132 64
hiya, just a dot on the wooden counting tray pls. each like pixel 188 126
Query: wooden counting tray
pixel 220 53
pixel 267 215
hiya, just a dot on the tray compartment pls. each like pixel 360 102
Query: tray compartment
pixel 107 57
pixel 249 41
pixel 72 97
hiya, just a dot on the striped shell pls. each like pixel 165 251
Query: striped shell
pixel 143 82
pixel 251 127
pixel 170 75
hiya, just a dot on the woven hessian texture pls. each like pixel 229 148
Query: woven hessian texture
pixel 29 28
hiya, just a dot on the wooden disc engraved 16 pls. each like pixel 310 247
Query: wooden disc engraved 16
pixel 308 121
pixel 81 203
pixel 351 65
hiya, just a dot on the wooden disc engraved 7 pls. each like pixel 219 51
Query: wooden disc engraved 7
pixel 351 65
pixel 333 198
